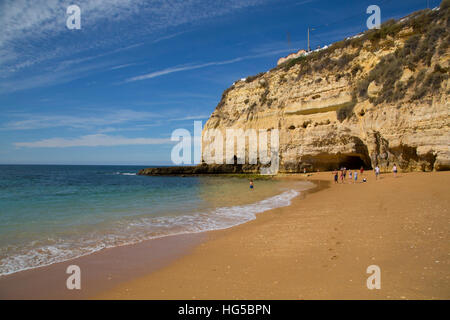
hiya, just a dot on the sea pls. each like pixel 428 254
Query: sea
pixel 55 213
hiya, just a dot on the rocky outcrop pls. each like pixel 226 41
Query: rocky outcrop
pixel 201 169
pixel 378 99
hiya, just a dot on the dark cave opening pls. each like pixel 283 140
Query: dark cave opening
pixel 329 162
pixel 353 162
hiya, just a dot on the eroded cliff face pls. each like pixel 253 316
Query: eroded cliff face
pixel 377 99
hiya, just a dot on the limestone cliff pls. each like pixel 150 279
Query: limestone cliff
pixel 379 98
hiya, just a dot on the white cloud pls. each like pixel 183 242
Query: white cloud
pixel 59 75
pixel 34 32
pixel 195 117
pixel 123 66
pixel 94 140
pixel 120 120
pixel 32 122
pixel 170 70
pixel 22 19
pixel 170 36
pixel 180 68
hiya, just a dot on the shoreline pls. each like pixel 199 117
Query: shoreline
pixel 320 246
pixel 52 278
pixel 100 270
pixel 316 248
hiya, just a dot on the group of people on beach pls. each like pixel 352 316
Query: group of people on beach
pixel 353 176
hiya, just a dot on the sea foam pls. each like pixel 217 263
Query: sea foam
pixel 33 255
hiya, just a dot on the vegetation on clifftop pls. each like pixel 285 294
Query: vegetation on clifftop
pixel 425 35
pixel 429 37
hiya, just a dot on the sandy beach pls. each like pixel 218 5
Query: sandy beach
pixel 320 247
pixel 152 150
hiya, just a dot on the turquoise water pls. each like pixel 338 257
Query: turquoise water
pixel 50 214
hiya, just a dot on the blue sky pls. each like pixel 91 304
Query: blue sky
pixel 113 91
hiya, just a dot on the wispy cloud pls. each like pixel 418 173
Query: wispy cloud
pixel 303 2
pixel 59 75
pixel 181 68
pixel 195 117
pixel 120 120
pixel 34 32
pixel 94 140
pixel 31 121
pixel 123 66
pixel 170 36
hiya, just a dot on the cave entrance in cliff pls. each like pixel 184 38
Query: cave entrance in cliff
pixel 352 162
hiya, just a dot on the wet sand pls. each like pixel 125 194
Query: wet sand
pixel 320 247
pixel 100 271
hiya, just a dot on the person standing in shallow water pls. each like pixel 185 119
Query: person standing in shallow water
pixel 251 184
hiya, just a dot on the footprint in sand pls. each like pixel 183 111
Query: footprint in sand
pixel 334 257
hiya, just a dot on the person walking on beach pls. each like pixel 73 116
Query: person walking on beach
pixel 377 172
pixel 335 176
pixel 355 175
pixel 350 175
pixel 342 175
pixel 251 184
pixel 394 170
pixel 361 170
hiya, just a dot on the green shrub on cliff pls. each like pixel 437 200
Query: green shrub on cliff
pixel 252 78
pixel 290 63
pixel 428 39
pixel 388 28
pixel 431 83
pixel 426 36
